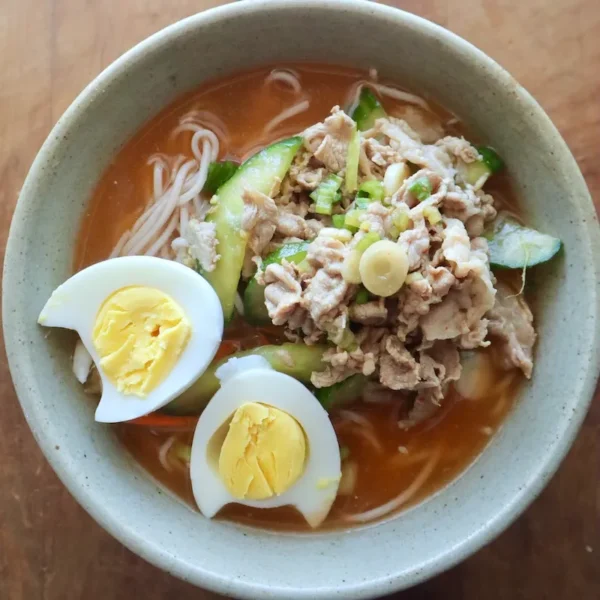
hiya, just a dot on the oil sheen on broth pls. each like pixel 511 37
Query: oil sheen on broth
pixel 385 460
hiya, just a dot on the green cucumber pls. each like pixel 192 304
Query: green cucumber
pixel 368 110
pixel 255 311
pixel 471 173
pixel 218 174
pixel 258 173
pixel 515 247
pixel 342 393
pixel 489 164
pixel 297 360
pixel 491 158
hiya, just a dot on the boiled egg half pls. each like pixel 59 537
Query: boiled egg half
pixel 264 441
pixel 151 326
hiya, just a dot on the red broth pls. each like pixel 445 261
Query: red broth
pixel 385 460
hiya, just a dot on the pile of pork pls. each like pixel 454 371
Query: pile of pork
pixel 411 341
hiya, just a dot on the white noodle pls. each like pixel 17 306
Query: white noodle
pixel 349 478
pixel 119 245
pixel 152 226
pixel 365 429
pixel 184 217
pixel 355 418
pixel 287 114
pixel 164 238
pixel 201 208
pixel 285 77
pixel 164 451
pixel 179 244
pixel 386 90
pixel 82 362
pixel 160 168
pixel 201 175
pixel 209 121
pixel 177 185
pixel 500 404
pixel 239 304
pixel 403 498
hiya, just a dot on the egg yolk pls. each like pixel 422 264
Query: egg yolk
pixel 139 333
pixel 263 454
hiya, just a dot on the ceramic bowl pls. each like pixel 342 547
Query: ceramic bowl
pixel 368 561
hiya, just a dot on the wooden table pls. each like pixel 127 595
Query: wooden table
pixel 50 548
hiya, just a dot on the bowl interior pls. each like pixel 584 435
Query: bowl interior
pixel 229 558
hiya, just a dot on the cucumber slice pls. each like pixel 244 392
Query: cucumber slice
pixel 255 311
pixel 491 158
pixel 471 173
pixel 515 247
pixel 297 360
pixel 218 174
pixel 257 173
pixel 342 393
pixel 480 170
pixel 368 110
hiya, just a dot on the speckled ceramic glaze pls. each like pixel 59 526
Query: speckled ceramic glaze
pixel 363 562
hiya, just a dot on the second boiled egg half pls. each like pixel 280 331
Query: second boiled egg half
pixel 263 441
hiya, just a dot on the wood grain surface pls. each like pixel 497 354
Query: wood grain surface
pixel 50 549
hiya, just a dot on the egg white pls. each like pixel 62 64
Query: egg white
pixel 75 305
pixel 314 492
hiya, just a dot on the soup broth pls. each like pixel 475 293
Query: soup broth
pixel 384 466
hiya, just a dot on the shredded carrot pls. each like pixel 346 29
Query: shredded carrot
pixel 160 421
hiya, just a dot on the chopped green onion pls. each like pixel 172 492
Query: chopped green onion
pixel 351 181
pixel 303 266
pixel 324 205
pixel 353 218
pixel 491 158
pixel 339 221
pixel 362 202
pixel 362 296
pixel 421 189
pixel 327 194
pixel 368 240
pixel 371 189
pixel 368 110
pixel 432 214
pixel 329 186
pixel 401 218
pixel 218 174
